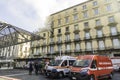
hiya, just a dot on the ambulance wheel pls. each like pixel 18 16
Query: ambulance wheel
pixel 92 77
pixel 60 74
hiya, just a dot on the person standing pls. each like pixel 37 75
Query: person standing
pixel 36 67
pixel 30 68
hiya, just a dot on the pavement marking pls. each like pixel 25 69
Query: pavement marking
pixel 15 74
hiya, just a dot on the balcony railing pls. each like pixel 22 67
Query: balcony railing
pixel 67 32
pixel 100 36
pixel 112 23
pixel 88 38
pixel 98 26
pixel 76 31
pixel 59 42
pixel 87 28
pixel 67 51
pixel 52 43
pixel 77 39
pixel 77 50
pixel 67 41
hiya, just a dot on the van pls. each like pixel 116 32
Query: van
pixel 116 63
pixel 91 67
pixel 60 66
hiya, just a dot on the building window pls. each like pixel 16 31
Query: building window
pixel 116 43
pixel 96 11
pixel 108 7
pixel 86 25
pixel 113 30
pixel 51 49
pixel 59 21
pixel 77 36
pixel 111 19
pixel 43 50
pixel 67 37
pixel 75 16
pixel 101 44
pixel 59 38
pixel 88 46
pixel 67 29
pixel 77 46
pixel 87 35
pixel 99 33
pixel 67 46
pixel 59 48
pixel 66 19
pixel 85 15
pixel 75 10
pixel 98 22
pixel 44 34
pixel 84 7
pixel 76 27
pixel 52 23
pixel 51 40
pixel 59 30
pixel 95 3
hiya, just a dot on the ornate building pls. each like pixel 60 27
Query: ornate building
pixel 91 27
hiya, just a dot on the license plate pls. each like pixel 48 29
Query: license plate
pixel 74 78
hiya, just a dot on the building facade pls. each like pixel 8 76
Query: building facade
pixel 91 27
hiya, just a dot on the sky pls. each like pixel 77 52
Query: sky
pixel 31 14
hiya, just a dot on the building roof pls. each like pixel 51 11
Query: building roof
pixel 12 35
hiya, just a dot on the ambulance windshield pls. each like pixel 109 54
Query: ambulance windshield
pixel 81 63
pixel 55 62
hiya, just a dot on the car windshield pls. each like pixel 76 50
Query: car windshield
pixel 55 62
pixel 81 63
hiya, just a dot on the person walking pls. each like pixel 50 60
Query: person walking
pixel 30 68
pixel 36 67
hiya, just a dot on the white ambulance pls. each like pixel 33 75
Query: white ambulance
pixel 60 67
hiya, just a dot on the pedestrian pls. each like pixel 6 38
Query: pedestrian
pixel 36 67
pixel 30 68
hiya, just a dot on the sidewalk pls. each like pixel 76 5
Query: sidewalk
pixel 7 78
pixel 6 68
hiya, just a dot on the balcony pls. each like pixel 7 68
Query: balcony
pixel 59 34
pixel 88 38
pixel 67 32
pixel 112 23
pixel 68 41
pixel 77 50
pixel 76 39
pixel 43 44
pixel 114 34
pixel 87 28
pixel 101 48
pixel 59 42
pixel 98 26
pixel 76 31
pixel 52 43
pixel 100 36
pixel 67 51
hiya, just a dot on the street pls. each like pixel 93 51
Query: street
pixel 23 75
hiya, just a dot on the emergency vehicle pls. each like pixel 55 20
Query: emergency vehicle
pixel 60 67
pixel 116 63
pixel 91 67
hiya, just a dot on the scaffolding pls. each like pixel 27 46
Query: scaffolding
pixel 10 37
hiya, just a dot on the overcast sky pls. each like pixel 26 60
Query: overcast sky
pixel 31 14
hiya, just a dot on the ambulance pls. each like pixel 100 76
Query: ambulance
pixel 91 67
pixel 59 67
